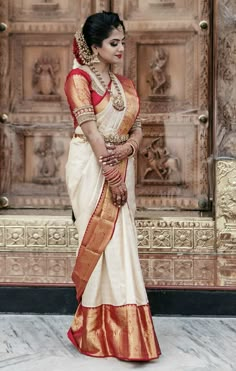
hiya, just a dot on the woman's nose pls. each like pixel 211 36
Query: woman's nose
pixel 121 48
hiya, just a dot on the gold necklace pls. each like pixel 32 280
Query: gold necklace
pixel 117 100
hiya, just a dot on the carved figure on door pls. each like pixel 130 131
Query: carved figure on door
pixel 49 164
pixel 161 161
pixel 157 78
pixel 45 80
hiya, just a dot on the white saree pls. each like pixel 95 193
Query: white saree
pixel 113 317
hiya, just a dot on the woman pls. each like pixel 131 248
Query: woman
pixel 113 317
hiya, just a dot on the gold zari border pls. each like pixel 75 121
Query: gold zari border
pixel 125 332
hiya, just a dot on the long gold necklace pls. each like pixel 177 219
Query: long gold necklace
pixel 117 100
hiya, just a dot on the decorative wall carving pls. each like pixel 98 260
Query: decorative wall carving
pixel 42 249
pixel 49 153
pixel 172 162
pixel 134 9
pixel 161 163
pixel 26 10
pixel 45 6
pixel 157 78
pixel 226 206
pixel 46 64
pixel 45 77
pixel 181 95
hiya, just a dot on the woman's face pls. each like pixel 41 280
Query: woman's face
pixel 112 48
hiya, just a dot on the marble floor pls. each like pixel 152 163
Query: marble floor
pixel 39 343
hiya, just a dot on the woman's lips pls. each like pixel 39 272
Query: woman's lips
pixel 119 56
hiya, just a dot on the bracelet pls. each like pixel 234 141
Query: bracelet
pixel 113 177
pixel 134 144
pixel 133 151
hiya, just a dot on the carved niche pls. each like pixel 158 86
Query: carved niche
pixel 38 166
pixel 164 85
pixel 45 78
pixel 169 173
pixel 45 9
pixel 157 77
pixel 48 152
pixel 154 9
pixel 40 79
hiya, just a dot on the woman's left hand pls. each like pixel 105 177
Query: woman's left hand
pixel 117 153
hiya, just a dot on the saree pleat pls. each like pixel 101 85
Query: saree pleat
pixel 113 317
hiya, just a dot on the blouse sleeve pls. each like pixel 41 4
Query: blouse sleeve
pixel 79 98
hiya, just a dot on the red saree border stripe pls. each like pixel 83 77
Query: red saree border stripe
pixel 125 332
pixel 96 208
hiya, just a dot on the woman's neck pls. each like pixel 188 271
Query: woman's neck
pixel 102 68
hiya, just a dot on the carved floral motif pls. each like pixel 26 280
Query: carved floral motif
pixel 183 238
pixel 183 269
pixel 15 236
pixel 36 236
pixel 162 238
pixel 57 236
pixel 143 238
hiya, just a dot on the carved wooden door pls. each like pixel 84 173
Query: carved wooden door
pixel 167 56
pixel 35 127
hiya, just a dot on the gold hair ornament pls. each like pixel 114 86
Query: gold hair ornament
pixel 84 52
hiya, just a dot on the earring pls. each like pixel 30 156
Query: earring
pixel 95 59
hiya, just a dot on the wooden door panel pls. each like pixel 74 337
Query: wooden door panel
pixel 167 58
pixel 36 55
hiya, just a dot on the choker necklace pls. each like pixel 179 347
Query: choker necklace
pixel 117 100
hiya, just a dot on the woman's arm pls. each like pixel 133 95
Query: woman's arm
pixel 116 183
pixel 118 153
pixel 79 98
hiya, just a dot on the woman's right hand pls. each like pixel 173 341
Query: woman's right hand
pixel 119 194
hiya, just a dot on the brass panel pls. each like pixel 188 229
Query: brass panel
pixel 226 206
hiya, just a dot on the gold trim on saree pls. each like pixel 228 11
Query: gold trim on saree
pixel 129 332
pixel 110 138
pixel 96 237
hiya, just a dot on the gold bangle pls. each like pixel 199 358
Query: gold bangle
pixel 133 150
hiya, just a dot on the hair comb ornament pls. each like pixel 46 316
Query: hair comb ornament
pixel 82 51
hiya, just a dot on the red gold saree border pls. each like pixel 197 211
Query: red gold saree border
pixel 96 237
pixel 132 101
pixel 125 332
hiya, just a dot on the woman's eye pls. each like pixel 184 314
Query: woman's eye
pixel 114 44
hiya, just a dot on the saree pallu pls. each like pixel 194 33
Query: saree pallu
pixel 113 316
